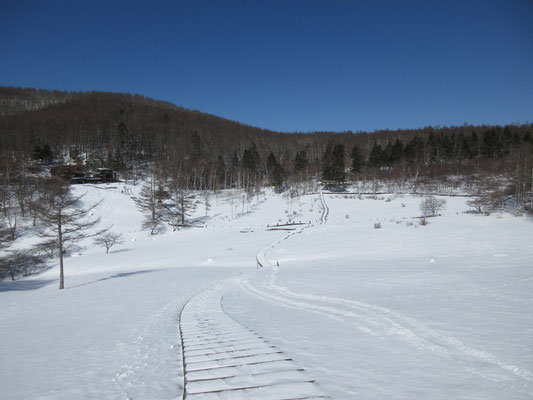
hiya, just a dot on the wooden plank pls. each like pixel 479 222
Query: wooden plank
pixel 229 351
pixel 235 357
pixel 240 375
pixel 239 365
pixel 249 387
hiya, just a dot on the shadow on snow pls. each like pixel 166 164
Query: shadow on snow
pixel 20 285
pixel 119 275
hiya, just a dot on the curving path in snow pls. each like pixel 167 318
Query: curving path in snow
pixel 382 322
pixel 223 359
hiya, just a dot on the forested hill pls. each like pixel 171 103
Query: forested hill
pixel 17 100
pixel 102 119
pixel 132 133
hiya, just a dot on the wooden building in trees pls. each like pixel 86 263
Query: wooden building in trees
pixel 78 174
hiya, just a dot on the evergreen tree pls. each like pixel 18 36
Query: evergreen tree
pixel 357 159
pixel 197 151
pixel 115 161
pixel 250 158
pixel 492 146
pixel 414 150
pixel 507 140
pixel 271 163
pixel 473 144
pixel 447 146
pixel 432 145
pixel 221 171
pixel 275 170
pixel 376 157
pixel 278 176
pixel 300 161
pixel 387 154
pixel 327 161
pixel 44 154
pixel 338 173
pixel 397 151
pixel 467 153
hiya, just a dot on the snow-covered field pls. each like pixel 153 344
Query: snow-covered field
pixel 401 312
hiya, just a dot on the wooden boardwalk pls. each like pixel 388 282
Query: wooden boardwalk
pixel 222 359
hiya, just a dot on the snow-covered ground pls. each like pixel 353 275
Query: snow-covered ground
pixel 404 311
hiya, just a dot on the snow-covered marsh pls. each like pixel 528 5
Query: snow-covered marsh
pixel 405 311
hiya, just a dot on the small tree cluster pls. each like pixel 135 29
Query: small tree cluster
pixel 431 205
pixel 19 263
pixel 333 168
pixel 167 201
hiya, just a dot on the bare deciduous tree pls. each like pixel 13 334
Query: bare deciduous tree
pixel 12 218
pixel 480 202
pixel 206 194
pixel 151 205
pixel 47 248
pixel 108 240
pixel 430 206
pixel 185 205
pixel 64 219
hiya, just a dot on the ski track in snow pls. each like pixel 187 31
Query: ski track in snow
pixel 325 209
pixel 223 359
pixel 377 321
pixel 380 321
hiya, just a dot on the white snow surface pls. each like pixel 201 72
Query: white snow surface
pixel 401 312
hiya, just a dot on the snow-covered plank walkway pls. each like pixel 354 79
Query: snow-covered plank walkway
pixel 222 359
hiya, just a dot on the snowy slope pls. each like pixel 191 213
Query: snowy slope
pixel 405 311
pixel 436 311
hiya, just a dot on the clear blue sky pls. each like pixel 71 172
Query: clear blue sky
pixel 286 65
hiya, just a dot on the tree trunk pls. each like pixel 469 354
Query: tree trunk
pixel 60 239
pixel 61 275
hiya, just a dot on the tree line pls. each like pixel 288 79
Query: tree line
pixel 132 133
pixel 179 152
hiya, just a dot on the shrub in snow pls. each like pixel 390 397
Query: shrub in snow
pixel 377 225
pixel 108 240
pixel 480 203
pixel 424 222
pixel 19 263
pixel 430 206
pixel 403 204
